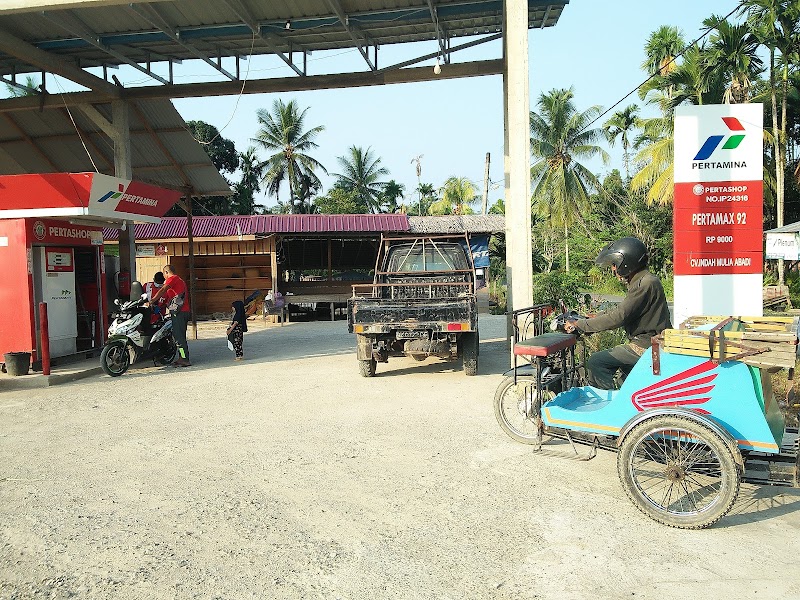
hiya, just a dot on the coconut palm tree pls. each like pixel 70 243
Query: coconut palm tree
pixel 621 125
pixel 361 173
pixel 560 138
pixel 282 133
pixel 455 197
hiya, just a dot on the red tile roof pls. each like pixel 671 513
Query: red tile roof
pixel 232 225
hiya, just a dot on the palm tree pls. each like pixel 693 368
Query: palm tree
pixel 392 192
pixel 621 124
pixel 281 132
pixel 733 51
pixel 657 176
pixel 29 88
pixel 457 194
pixel 559 138
pixel 775 24
pixel 250 184
pixel 361 173
pixel 663 45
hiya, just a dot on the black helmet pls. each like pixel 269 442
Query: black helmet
pixel 628 255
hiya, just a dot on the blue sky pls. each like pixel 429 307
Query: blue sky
pixel 596 48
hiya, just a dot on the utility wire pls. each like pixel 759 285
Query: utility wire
pixel 654 75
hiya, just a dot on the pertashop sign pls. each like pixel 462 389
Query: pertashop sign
pixel 718 209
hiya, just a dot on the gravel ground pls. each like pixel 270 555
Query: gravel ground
pixel 290 476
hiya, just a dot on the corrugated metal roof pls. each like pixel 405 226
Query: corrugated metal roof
pixel 163 151
pixel 790 228
pixel 91 31
pixel 457 224
pixel 233 225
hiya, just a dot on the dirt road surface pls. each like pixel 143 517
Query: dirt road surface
pixel 290 476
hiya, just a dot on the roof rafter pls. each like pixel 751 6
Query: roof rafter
pixel 154 136
pixel 45 61
pixel 150 14
pixel 30 141
pixel 358 37
pixel 245 15
pixel 73 24
pixel 86 137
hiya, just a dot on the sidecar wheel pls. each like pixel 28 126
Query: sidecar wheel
pixel 518 412
pixel 115 359
pixel 678 472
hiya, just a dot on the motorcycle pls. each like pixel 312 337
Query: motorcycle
pixel 132 337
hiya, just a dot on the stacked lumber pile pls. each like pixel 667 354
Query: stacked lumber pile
pixel 764 342
pixel 776 295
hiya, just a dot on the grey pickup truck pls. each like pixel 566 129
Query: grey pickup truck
pixel 421 303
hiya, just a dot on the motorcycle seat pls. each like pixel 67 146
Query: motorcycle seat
pixel 544 344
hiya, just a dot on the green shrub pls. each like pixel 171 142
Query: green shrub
pixel 550 288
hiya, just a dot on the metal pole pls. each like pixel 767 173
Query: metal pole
pixel 44 341
pixel 486 184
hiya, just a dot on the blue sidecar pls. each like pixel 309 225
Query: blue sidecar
pixel 684 422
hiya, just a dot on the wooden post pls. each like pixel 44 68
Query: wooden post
pixel 191 263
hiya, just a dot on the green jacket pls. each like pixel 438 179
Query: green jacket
pixel 643 312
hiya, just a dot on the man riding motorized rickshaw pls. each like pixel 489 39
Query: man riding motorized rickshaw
pixel 643 313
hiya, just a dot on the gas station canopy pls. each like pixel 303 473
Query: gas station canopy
pixel 67 36
pixel 83 198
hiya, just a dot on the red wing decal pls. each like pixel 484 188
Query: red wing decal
pixel 684 388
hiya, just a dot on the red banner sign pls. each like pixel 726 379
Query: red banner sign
pixel 718 227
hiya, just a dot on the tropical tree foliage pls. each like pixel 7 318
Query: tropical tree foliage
pixel 455 197
pixel 282 133
pixel 561 136
pixel 361 173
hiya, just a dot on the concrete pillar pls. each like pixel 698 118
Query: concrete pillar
pixel 516 105
pixel 120 116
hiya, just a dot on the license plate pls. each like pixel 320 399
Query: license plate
pixel 407 334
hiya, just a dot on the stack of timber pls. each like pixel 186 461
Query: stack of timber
pixel 764 342
pixel 776 295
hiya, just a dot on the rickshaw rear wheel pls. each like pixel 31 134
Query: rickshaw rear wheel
pixel 678 472
pixel 517 411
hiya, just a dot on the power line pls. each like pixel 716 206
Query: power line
pixel 654 75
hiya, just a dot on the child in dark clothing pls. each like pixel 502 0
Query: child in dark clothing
pixel 237 328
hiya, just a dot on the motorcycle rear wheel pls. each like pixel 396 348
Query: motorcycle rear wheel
pixel 170 350
pixel 115 358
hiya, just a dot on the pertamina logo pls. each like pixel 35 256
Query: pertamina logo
pixel 713 143
pixel 127 198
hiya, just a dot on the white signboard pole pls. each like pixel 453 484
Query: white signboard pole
pixel 718 210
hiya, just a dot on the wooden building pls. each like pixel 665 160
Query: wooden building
pixel 311 259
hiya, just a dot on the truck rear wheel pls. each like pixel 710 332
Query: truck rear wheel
pixel 367 367
pixel 469 352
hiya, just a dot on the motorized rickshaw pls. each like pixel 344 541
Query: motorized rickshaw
pixel 693 418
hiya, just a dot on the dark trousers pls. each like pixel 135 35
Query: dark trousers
pixel 602 366
pixel 237 339
pixel 180 321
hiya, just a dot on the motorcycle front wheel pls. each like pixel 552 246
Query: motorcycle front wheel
pixel 115 358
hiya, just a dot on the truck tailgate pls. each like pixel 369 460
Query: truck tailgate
pixel 381 314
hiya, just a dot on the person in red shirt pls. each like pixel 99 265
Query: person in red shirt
pixel 180 309
pixel 150 288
